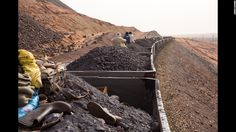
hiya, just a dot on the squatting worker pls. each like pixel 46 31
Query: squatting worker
pixel 118 40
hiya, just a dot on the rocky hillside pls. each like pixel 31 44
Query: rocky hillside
pixel 51 27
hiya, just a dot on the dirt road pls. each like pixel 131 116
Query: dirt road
pixel 187 71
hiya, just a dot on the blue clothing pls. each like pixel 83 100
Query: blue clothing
pixel 127 38
pixel 33 104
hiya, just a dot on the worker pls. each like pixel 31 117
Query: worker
pixel 131 37
pixel 118 40
pixel 127 38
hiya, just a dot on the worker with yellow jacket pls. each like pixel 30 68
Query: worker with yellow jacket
pixel 118 40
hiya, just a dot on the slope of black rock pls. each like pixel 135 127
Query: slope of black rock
pixel 111 59
pixel 32 35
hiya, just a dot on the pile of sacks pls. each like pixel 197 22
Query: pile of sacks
pixel 31 71
pixel 29 77
pixel 25 89
pixel 49 68
pixel 32 105
pixel 50 72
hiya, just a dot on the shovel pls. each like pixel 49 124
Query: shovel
pixel 36 116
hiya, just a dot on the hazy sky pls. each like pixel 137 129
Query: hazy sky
pixel 167 17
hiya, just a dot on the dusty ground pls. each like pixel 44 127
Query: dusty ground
pixel 188 82
pixel 98 40
pixel 49 27
pixel 206 40
pixel 42 20
pixel 204 49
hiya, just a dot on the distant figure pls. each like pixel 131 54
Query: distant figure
pixel 118 40
pixel 127 38
pixel 131 37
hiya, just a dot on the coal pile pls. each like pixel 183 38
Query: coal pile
pixel 132 119
pixel 111 58
pixel 137 48
pixel 145 42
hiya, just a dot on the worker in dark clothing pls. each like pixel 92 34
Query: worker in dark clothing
pixel 127 38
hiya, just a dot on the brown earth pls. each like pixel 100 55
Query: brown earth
pixel 100 40
pixel 49 27
pixel 48 18
pixel 187 71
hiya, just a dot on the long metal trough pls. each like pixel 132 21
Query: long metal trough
pixel 136 88
pixel 141 93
